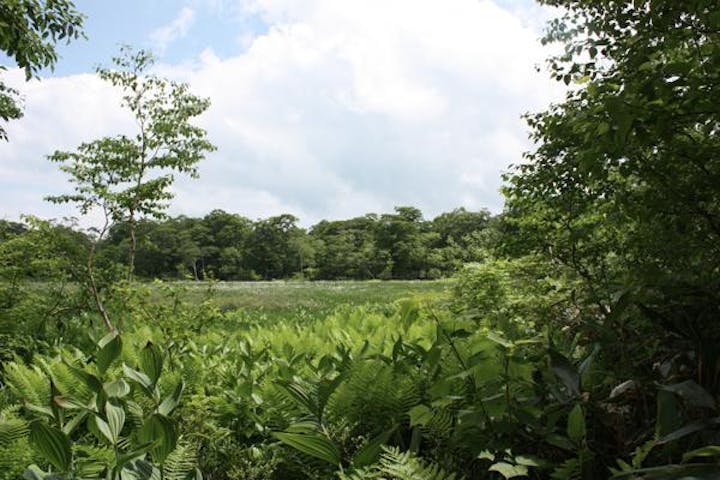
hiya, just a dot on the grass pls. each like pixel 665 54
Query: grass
pixel 302 301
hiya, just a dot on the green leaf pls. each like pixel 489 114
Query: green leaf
pixel 690 428
pixel 371 451
pixel 110 349
pixel 73 423
pixel 171 401
pixel 509 471
pixel 420 415
pixel 116 420
pixel 500 340
pixel 565 371
pixel 409 312
pixel 104 428
pixel 313 444
pixel 160 431
pixel 140 469
pixel 708 451
pixel 692 393
pixel 576 424
pixel 139 378
pixel 151 361
pixel 52 444
pixel 118 389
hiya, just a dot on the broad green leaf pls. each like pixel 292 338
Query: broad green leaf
pixel 566 372
pixel 708 451
pixel 39 409
pixel 690 428
pixel 668 418
pixel 33 472
pixel 500 340
pixel 370 452
pixel 73 423
pixel 110 349
pixel 692 393
pixel 52 444
pixel 509 471
pixel 409 312
pixel 119 388
pixel 576 424
pixel 115 419
pixel 313 444
pixel 171 401
pixel 151 361
pixel 420 415
pixel 140 469
pixel 160 431
pixel 104 428
pixel 139 378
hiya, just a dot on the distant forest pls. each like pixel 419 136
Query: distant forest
pixel 227 246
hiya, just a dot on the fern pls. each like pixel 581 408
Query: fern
pixel 12 428
pixel 15 452
pixel 405 466
pixel 29 384
pixel 361 474
pixel 91 461
pixel 181 464
pixel 568 470
pixel 374 397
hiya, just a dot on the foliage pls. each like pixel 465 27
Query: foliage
pixel 130 177
pixel 622 191
pixel 97 418
pixel 29 31
pixel 39 298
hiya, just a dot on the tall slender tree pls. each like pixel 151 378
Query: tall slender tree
pixel 128 177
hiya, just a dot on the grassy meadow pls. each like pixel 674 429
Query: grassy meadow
pixel 277 300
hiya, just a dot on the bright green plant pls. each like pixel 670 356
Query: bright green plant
pixel 104 418
pixel 130 177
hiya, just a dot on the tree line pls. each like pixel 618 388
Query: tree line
pixel 228 246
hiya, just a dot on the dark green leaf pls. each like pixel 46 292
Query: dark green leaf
pixel 110 349
pixel 52 444
pixel 315 445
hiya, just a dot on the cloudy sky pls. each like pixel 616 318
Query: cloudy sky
pixel 320 108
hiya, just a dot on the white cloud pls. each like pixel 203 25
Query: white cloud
pixel 340 108
pixel 178 28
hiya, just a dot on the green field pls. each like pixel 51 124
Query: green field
pixel 270 302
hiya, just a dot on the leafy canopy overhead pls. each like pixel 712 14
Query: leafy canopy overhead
pixel 29 31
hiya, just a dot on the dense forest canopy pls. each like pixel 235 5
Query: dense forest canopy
pixel 225 246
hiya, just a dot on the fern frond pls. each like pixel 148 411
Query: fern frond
pixel 405 466
pixel 91 461
pixel 12 430
pixel 181 463
pixel 367 473
pixel 69 382
pixel 29 384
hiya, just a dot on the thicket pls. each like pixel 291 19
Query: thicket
pixel 581 344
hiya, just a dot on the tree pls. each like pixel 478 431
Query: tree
pixel 29 31
pixel 629 164
pixel 273 247
pixel 129 176
pixel 624 188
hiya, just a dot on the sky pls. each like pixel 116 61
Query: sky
pixel 325 109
